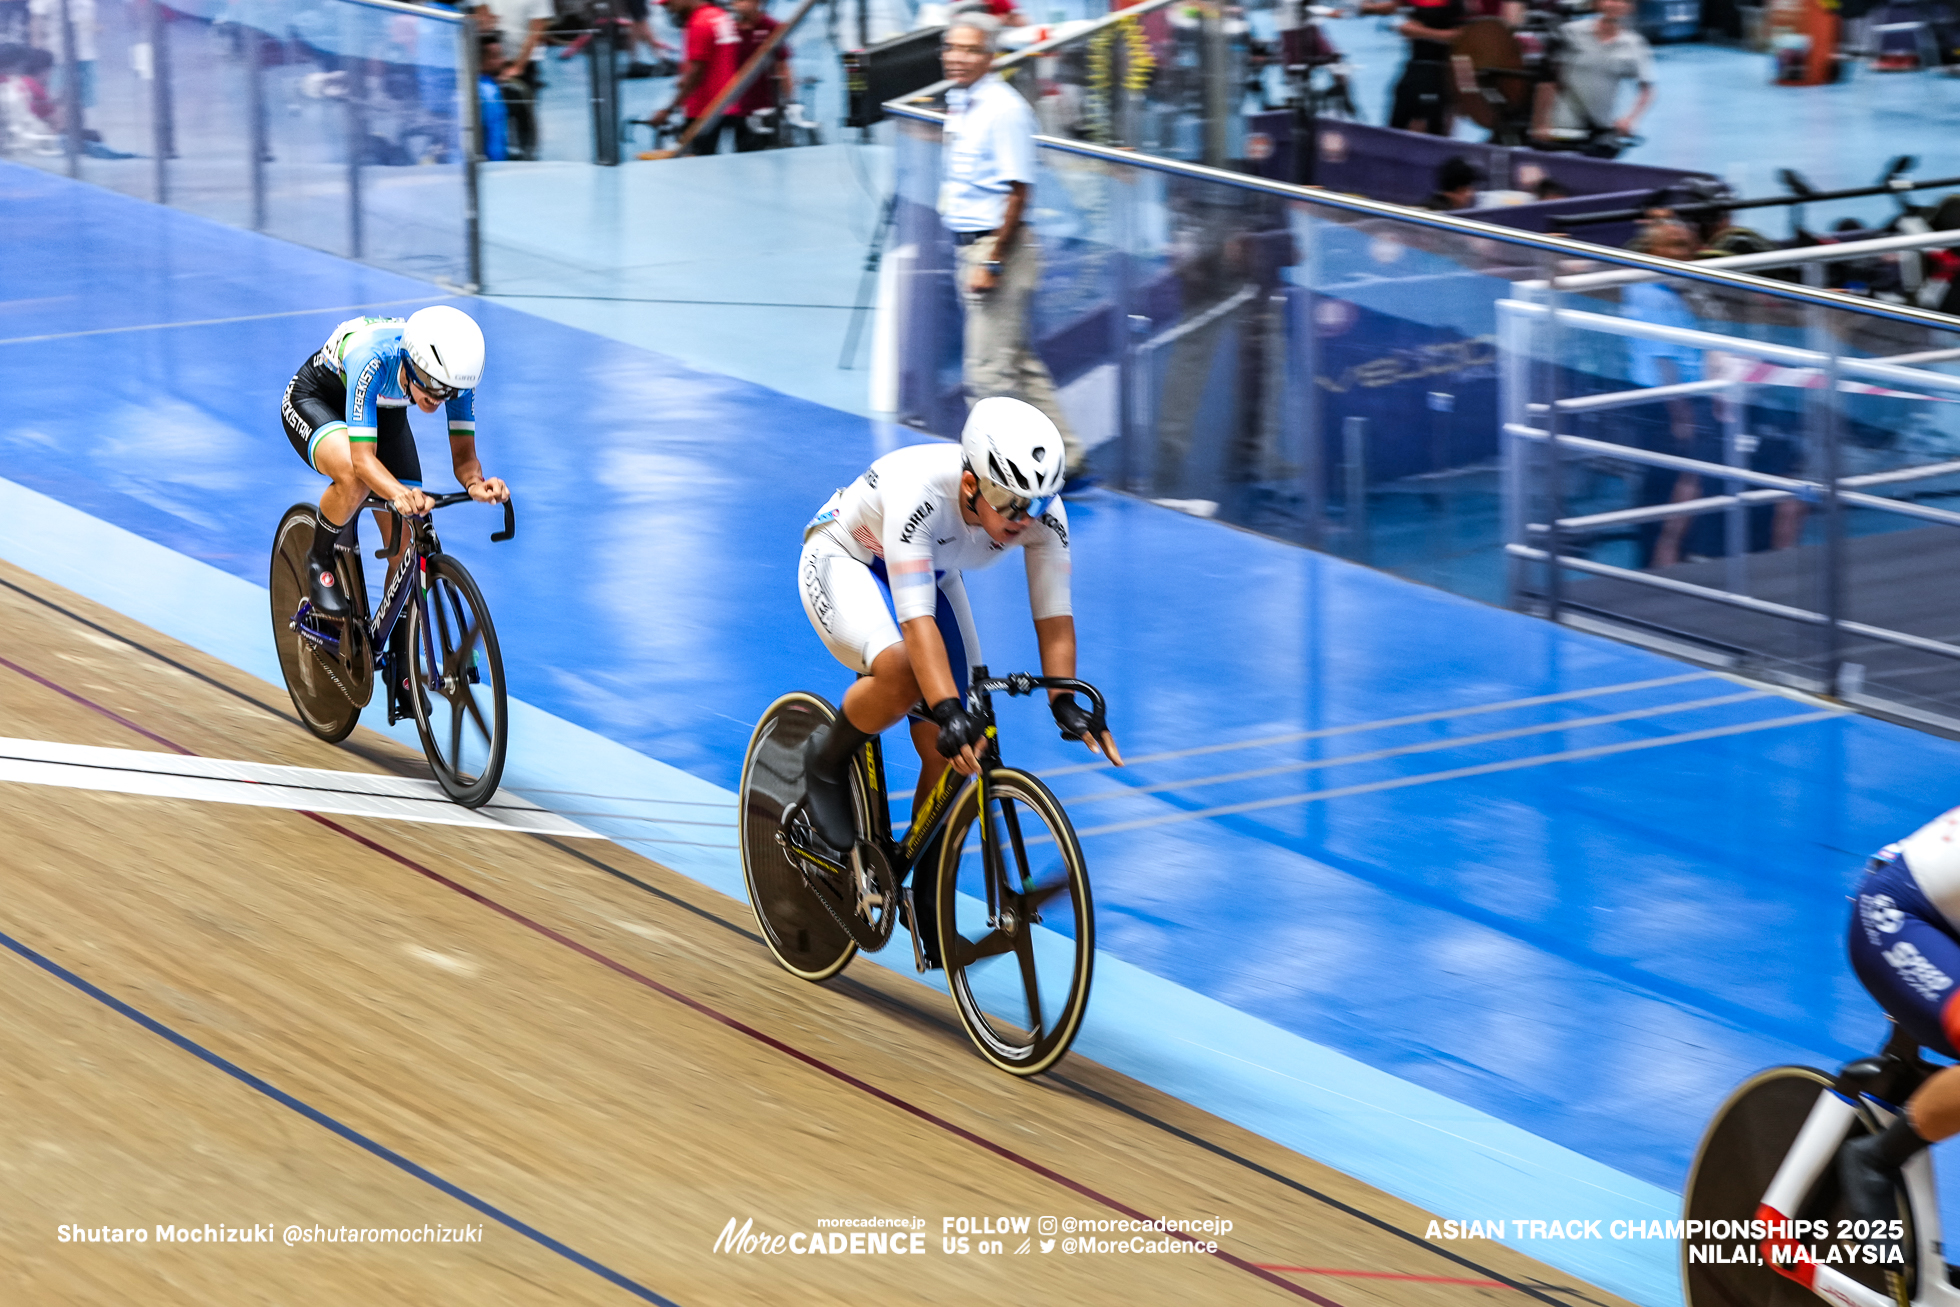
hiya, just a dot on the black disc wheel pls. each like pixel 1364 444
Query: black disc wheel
pixel 331 678
pixel 1017 929
pixel 1739 1155
pixel 457 681
pixel 805 937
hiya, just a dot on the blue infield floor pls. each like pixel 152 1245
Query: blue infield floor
pixel 1487 912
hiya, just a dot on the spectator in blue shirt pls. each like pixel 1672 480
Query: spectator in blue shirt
pixel 492 111
pixel 1683 425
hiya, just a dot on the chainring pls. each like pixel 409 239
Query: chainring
pixel 869 918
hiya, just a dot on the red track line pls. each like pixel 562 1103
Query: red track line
pixel 724 1019
pixel 807 1059
pixel 90 703
pixel 1387 1275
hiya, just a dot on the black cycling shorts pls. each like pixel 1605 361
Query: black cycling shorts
pixel 316 400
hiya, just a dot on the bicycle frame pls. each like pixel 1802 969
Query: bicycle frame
pixel 421 542
pixel 931 812
pixel 1833 1117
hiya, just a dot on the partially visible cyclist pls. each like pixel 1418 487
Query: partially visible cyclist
pixel 1905 948
pixel 880 578
pixel 346 413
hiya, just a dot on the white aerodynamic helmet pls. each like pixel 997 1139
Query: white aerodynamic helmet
pixel 445 348
pixel 1014 450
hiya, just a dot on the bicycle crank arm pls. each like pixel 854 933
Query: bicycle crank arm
pixel 317 638
pixel 861 898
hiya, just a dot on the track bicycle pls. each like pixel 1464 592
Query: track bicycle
pixel 456 674
pixel 1770 1155
pixel 1005 886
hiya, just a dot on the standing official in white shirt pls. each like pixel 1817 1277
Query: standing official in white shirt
pixel 986 185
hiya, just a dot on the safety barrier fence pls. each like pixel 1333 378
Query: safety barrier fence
pixel 345 125
pixel 1746 471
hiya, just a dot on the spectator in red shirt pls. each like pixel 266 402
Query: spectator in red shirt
pixel 772 88
pixel 709 43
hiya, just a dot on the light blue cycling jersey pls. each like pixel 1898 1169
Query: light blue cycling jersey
pixel 367 353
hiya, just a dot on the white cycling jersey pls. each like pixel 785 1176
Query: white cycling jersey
pixel 905 509
pixel 1932 855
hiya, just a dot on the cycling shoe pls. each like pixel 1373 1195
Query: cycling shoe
pixel 829 800
pixel 324 588
pixel 1870 1187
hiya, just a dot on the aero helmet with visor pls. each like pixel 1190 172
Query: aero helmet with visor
pixel 443 347
pixel 1015 453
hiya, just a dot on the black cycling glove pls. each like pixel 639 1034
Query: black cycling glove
pixel 1075 720
pixel 957 727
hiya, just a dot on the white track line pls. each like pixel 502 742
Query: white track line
pixel 1427 746
pixel 431 298
pixel 1385 723
pixel 266 785
pixel 1486 769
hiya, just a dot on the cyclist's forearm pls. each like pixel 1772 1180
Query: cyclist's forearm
pixel 1056 636
pixel 462 457
pixel 930 666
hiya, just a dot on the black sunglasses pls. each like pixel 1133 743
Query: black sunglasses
pixel 433 389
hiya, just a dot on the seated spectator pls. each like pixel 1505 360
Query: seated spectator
pixel 1456 185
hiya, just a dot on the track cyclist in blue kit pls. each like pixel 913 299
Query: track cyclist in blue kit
pixel 896 541
pixel 346 412
pixel 1905 947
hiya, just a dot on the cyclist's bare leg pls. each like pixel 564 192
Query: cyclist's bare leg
pixel 874 703
pixel 1935 1107
pixel 355 470
pixel 333 456
pixel 887 695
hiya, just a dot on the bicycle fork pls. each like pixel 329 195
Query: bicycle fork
pixel 1783 1247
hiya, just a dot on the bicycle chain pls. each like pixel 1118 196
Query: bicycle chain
pixel 869 936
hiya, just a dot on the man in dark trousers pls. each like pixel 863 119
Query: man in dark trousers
pixel 1422 96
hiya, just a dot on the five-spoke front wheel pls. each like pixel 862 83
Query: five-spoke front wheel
pixel 1016 928
pixel 456 682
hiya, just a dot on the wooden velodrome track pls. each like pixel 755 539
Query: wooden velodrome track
pixel 258 1017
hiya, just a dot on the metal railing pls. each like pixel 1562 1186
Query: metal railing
pixel 346 125
pixel 1708 271
pixel 1792 474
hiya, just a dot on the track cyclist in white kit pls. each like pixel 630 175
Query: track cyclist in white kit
pixel 895 541
pixel 1905 947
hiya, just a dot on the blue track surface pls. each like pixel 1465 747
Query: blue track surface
pixel 1593 948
